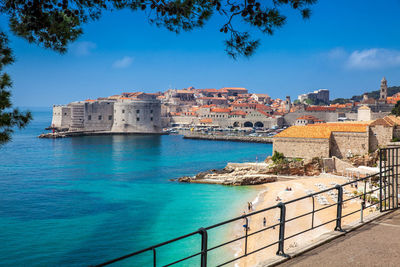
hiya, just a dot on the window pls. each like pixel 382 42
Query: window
pixel 99 117
pixel 137 119
pixel 137 111
pixel 151 118
pixel 89 117
pixel 110 117
pixel 123 111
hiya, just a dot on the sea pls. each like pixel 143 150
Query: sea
pixel 84 200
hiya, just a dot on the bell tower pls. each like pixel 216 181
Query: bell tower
pixel 383 91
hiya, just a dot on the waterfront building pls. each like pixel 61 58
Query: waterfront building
pixel 337 139
pixel 115 115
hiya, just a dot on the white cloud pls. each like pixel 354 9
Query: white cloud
pixel 83 48
pixel 373 58
pixel 337 53
pixel 123 62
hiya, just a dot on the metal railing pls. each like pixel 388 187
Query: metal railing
pixel 283 220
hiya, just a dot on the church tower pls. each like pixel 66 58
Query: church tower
pixel 288 104
pixel 383 93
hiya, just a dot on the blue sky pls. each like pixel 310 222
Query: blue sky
pixel 346 46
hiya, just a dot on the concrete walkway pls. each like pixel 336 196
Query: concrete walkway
pixel 374 244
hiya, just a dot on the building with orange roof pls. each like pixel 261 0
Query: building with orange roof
pixel 308 119
pixel 341 139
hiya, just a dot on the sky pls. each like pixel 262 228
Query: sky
pixel 346 47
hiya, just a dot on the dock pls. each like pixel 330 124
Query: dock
pixel 249 139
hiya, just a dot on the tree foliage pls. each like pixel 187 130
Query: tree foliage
pixel 9 117
pixel 54 24
pixel 396 109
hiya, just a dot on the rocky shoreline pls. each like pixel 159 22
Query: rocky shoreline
pixel 238 174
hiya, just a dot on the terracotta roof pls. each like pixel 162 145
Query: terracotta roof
pixel 220 110
pixel 238 112
pixel 388 121
pixel 321 130
pixel 209 98
pixel 307 117
pixel 262 112
pixel 319 108
pixel 207 120
pixel 234 88
pixel 184 92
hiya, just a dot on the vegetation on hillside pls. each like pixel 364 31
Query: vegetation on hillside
pixel 374 94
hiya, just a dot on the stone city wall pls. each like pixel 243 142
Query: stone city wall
pixel 61 117
pixel 379 136
pixel 344 143
pixel 290 118
pixel 98 116
pixel 302 147
pixel 137 116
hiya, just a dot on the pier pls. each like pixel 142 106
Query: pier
pixel 250 139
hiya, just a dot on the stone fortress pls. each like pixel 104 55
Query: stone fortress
pixel 128 113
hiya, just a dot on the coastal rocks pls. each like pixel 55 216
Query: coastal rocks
pixel 234 174
pixel 256 173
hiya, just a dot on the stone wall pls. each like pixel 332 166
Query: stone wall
pixel 290 118
pixel 61 117
pixel 98 116
pixel 379 136
pixel 302 147
pixel 348 143
pixel 136 116
pixel 340 166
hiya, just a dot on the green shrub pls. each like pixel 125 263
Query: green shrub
pixel 277 157
pixel 395 139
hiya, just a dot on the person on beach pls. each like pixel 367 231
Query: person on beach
pixel 264 222
pixel 248 206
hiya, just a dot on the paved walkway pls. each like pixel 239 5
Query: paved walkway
pixel 374 244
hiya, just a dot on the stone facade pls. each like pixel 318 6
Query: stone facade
pixel 302 147
pixel 344 144
pixel 137 116
pixel 61 117
pixel 379 135
pixel 119 116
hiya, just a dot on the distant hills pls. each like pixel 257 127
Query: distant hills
pixel 374 94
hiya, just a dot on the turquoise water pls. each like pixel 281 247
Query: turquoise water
pixel 81 201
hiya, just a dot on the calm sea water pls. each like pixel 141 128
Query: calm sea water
pixel 80 201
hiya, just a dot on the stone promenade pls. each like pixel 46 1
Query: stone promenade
pixel 375 244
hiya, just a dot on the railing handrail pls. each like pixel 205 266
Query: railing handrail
pixel 281 224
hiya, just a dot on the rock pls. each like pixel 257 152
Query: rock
pixel 172 180
pixel 185 179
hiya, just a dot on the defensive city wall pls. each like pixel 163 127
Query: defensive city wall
pixel 114 116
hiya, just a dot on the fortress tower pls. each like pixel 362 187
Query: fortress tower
pixel 383 93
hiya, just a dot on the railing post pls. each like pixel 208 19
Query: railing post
pixel 282 222
pixel 380 180
pixel 245 241
pixel 154 257
pixel 339 209
pixel 203 233
pixel 313 211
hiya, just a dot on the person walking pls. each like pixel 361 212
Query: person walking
pixel 265 222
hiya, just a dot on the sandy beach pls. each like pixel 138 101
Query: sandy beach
pixel 299 187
